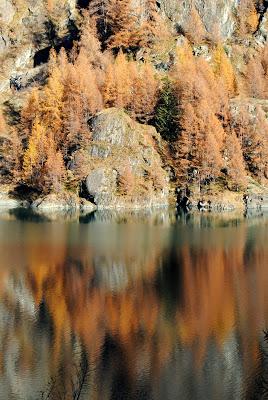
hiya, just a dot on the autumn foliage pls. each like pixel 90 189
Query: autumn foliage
pixel 188 99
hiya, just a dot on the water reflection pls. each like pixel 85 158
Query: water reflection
pixel 148 306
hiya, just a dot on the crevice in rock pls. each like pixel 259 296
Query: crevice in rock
pixel 261 10
pixel 83 193
pixel 67 42
pixel 25 192
pixel 42 56
pixel 82 3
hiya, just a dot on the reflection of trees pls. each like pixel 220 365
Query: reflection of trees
pixel 126 308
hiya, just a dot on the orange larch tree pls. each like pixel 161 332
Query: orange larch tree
pixel 122 25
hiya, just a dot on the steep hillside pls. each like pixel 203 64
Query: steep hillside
pixel 196 70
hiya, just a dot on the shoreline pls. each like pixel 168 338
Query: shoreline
pixel 68 202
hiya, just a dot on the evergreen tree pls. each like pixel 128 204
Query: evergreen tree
pixel 166 114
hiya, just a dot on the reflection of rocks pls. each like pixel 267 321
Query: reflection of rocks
pixel 17 332
pixel 112 276
pixel 135 300
pixel 218 377
pixel 154 216
pixel 21 295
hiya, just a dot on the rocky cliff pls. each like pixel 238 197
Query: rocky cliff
pixel 125 160
pixel 126 169
pixel 29 29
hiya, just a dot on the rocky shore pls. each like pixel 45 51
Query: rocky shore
pixel 69 202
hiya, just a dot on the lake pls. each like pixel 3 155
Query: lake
pixel 113 306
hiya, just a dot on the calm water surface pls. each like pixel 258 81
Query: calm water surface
pixel 111 307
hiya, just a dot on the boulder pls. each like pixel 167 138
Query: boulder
pixel 126 169
pixel 8 202
pixel 62 201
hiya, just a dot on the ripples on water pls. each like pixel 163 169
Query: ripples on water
pixel 136 306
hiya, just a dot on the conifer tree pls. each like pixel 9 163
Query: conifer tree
pixel 252 131
pixel 122 24
pixel 35 155
pixel 122 80
pixel 117 84
pixel 223 69
pixel 234 162
pixel 197 152
pixel 55 172
pixel 145 93
pixel 90 43
pixel 52 103
pixel 126 181
pixel 194 27
pixel 30 111
pixel 151 26
pixel 166 115
pixel 109 90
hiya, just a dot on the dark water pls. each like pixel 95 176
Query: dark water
pixel 128 307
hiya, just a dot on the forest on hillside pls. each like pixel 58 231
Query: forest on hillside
pixel 189 84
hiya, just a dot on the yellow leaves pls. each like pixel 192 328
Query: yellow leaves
pixel 109 87
pixel 52 103
pixel 123 80
pixel 86 80
pixel 122 24
pixel 223 69
pixel 184 54
pixel 34 155
pixel 55 168
pixel 131 86
pixel 117 85
pixel 42 161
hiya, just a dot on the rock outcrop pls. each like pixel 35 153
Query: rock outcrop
pixel 63 201
pixel 124 163
pixel 26 28
pixel 215 14
pixel 126 169
pixel 7 201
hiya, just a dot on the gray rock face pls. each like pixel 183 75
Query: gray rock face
pixel 257 201
pixel 24 31
pixel 262 33
pixel 126 170
pixel 8 202
pixel 215 14
pixel 63 201
pixel 101 183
